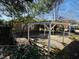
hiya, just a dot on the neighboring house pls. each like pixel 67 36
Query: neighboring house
pixel 20 27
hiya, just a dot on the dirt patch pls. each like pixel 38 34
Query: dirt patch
pixel 21 41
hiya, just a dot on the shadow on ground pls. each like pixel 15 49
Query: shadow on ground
pixel 33 51
pixel 69 52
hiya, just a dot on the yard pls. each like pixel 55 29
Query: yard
pixel 75 36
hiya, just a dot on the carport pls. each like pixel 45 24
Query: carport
pixel 49 27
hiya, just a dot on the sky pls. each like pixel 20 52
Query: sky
pixel 69 9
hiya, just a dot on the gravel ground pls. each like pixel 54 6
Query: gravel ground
pixel 56 41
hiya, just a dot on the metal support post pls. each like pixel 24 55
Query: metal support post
pixel 69 29
pixel 49 38
pixel 63 34
pixel 44 31
pixel 28 31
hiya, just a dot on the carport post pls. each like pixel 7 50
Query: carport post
pixel 63 34
pixel 28 31
pixel 69 29
pixel 44 31
pixel 49 38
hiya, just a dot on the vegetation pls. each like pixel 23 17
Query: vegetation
pixel 26 20
pixel 26 52
pixel 1 22
pixel 16 8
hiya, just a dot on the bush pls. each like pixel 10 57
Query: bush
pixel 26 52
